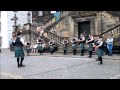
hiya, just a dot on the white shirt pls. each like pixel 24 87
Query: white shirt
pixel 101 42
pixel 22 40
pixel 109 41
pixel 83 38
pixel 75 40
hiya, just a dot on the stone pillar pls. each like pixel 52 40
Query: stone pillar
pixel 4 30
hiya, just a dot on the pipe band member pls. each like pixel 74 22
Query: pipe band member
pixel 74 45
pixel 99 46
pixel 65 46
pixel 81 41
pixel 18 42
pixel 90 42
pixel 51 45
pixel 40 46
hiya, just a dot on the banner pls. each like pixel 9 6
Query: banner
pixel 57 16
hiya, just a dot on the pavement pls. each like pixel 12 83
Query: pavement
pixel 58 66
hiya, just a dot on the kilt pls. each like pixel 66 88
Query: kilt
pixel 51 48
pixel 100 52
pixel 19 52
pixel 65 47
pixel 90 48
pixel 40 48
pixel 74 46
pixel 81 46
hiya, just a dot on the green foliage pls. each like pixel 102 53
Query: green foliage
pixel 116 41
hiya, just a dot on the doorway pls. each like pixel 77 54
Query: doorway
pixel 83 27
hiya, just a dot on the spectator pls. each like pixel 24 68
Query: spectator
pixel 110 44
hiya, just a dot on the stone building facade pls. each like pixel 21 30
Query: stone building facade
pixel 41 16
pixel 85 21
pixel 77 22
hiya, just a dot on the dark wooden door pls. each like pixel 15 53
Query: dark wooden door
pixel 83 27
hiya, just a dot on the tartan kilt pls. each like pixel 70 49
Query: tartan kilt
pixel 19 52
pixel 99 52
pixel 51 49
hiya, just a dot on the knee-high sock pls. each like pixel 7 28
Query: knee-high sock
pixel 64 51
pixel 75 52
pixel 100 58
pixel 18 61
pixel 21 60
pixel 90 53
pixel 82 52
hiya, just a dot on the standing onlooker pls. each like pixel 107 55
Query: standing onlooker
pixel 28 50
pixel 42 27
pixel 110 44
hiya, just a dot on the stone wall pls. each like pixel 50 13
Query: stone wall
pixel 44 18
pixel 105 21
pixel 99 22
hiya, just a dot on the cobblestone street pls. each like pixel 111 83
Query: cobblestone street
pixel 58 66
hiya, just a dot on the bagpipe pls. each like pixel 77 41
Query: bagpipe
pixel 51 43
pixel 65 42
pixel 74 41
pixel 89 40
pixel 81 41
pixel 28 44
pixel 40 41
pixel 96 43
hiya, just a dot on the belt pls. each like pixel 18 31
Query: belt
pixel 18 46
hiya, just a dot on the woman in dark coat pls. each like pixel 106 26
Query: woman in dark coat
pixel 18 42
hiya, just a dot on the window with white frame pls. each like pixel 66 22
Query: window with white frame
pixel 40 13
pixel 52 12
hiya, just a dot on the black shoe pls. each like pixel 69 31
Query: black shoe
pixel 18 66
pixel 21 65
pixel 97 60
pixel 100 63
pixel 89 56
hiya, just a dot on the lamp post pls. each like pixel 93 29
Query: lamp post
pixel 29 19
pixel 15 18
